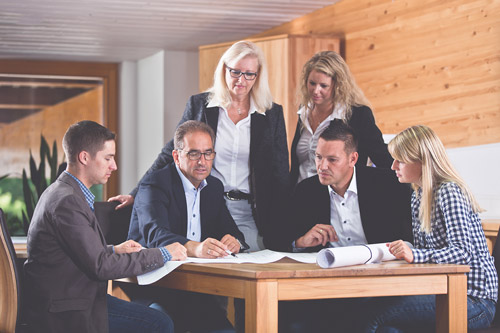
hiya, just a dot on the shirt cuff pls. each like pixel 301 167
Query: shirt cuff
pixel 165 254
pixel 297 249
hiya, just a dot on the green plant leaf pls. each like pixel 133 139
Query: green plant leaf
pixel 44 149
pixel 26 223
pixel 28 196
pixel 53 163
pixel 4 176
pixel 35 174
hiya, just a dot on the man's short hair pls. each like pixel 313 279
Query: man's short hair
pixel 86 136
pixel 338 130
pixel 191 126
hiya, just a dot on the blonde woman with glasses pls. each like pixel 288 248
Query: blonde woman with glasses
pixel 252 152
pixel 446 229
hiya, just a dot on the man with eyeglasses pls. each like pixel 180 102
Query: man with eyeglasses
pixel 183 203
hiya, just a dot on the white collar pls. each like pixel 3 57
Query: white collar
pixel 353 185
pixel 214 102
pixel 188 186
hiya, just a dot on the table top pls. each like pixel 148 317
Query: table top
pixel 287 268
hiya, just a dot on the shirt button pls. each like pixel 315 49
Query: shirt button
pixel 343 204
pixel 193 233
pixel 345 222
pixel 349 238
pixel 194 215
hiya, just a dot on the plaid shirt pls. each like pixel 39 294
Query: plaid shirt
pixel 457 237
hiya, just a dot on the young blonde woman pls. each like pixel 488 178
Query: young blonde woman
pixel 446 229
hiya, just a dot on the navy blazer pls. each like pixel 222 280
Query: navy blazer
pixel 384 205
pixel 370 141
pixel 159 216
pixel 269 167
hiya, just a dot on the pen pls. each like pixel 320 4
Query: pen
pixel 231 253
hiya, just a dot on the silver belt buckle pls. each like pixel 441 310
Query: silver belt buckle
pixel 229 197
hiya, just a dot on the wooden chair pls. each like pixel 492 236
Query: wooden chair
pixel 10 296
pixel 495 327
pixel 114 223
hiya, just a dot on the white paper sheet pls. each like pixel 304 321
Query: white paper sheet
pixel 353 255
pixel 259 257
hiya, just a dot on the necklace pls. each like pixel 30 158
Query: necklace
pixel 239 111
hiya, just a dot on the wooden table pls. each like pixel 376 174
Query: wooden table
pixel 263 285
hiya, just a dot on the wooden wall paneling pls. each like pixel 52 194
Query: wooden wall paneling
pixel 108 72
pixel 285 56
pixel 431 62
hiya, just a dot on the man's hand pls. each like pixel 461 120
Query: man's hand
pixel 177 251
pixel 232 243
pixel 129 246
pixel 319 234
pixel 124 199
pixel 401 250
pixel 209 248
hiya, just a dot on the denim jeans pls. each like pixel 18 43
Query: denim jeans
pixel 418 314
pixel 131 317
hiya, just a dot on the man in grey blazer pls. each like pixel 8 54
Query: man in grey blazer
pixel 69 262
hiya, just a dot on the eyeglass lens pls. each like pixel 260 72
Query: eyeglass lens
pixel 236 74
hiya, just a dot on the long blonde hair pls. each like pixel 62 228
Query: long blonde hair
pixel 346 92
pixel 420 144
pixel 260 93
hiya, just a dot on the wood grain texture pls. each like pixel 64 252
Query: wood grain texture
pixel 263 285
pixel 344 287
pixel 261 306
pixel 420 62
pixel 108 72
pixel 285 56
pixel 490 228
pixel 8 290
pixel 453 306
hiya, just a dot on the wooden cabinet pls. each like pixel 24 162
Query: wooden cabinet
pixel 285 56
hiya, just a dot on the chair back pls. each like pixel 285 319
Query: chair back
pixel 496 257
pixel 114 222
pixel 10 297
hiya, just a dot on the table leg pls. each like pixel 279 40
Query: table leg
pixel 451 308
pixel 261 306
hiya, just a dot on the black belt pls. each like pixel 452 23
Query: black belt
pixel 237 195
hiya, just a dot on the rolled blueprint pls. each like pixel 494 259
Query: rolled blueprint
pixel 353 255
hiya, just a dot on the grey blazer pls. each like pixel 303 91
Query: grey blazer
pixel 69 263
pixel 269 166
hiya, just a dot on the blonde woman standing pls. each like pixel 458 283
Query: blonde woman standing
pixel 327 92
pixel 446 229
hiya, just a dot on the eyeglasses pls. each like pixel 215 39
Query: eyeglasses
pixel 236 74
pixel 195 155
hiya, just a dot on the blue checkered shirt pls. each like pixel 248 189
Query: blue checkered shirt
pixel 86 192
pixel 457 237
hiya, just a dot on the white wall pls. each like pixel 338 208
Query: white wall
pixel 181 81
pixel 150 110
pixel 153 94
pixel 478 166
pixel 127 131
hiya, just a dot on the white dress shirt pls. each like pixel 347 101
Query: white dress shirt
pixel 193 206
pixel 308 141
pixel 345 216
pixel 232 144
